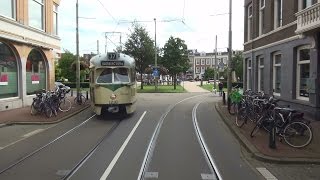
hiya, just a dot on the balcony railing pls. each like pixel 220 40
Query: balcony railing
pixel 308 19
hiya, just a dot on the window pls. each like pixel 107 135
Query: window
pixel 260 73
pixel 277 13
pixel 249 69
pixel 202 61
pixel 202 70
pixel 208 61
pixel 198 61
pixel 8 72
pixel 197 70
pixel 303 72
pixel 35 72
pixel 105 76
pixel 261 17
pixel 249 36
pixel 8 8
pixel 277 74
pixel 36 14
pixel 121 75
pixel 55 19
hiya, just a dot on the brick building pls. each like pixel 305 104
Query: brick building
pixel 281 51
pixel 29 45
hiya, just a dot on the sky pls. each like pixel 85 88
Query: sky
pixel 198 22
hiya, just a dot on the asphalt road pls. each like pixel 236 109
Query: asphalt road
pixel 175 150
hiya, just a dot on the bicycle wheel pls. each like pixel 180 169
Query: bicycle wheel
pixel 83 100
pixel 47 110
pixel 65 105
pixel 241 117
pixel 256 128
pixel 34 110
pixel 233 108
pixel 297 134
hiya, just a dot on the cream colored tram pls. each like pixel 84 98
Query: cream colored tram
pixel 113 83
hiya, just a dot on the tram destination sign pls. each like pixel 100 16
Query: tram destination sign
pixel 112 63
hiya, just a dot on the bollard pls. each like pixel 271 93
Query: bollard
pixel 229 103
pixel 87 95
pixel 224 98
pixel 71 92
pixel 272 137
pixel 201 83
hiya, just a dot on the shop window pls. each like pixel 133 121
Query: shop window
pixel 260 74
pixel 35 72
pixel 8 72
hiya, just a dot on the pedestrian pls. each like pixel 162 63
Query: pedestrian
pixel 220 88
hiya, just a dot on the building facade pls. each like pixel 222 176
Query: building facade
pixel 199 62
pixel 29 45
pixel 281 51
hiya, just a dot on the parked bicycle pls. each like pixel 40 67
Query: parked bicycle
pixel 80 99
pixel 235 99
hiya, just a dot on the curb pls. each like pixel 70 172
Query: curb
pixel 51 122
pixel 256 153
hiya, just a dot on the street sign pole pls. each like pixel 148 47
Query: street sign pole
pixel 155 52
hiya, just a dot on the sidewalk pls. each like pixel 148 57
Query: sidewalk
pixel 258 146
pixel 193 86
pixel 23 115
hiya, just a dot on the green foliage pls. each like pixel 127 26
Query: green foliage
pixel 237 61
pixel 175 57
pixel 65 63
pixel 162 89
pixel 140 46
pixel 209 73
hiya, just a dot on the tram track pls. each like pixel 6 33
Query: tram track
pixel 206 152
pixel 88 155
pixel 33 153
pixel 151 146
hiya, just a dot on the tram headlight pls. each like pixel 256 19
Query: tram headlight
pixel 113 96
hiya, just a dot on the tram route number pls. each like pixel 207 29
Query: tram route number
pixel 112 63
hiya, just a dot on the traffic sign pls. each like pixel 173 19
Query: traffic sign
pixel 155 72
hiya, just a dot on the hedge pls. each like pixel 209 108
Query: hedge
pixel 74 84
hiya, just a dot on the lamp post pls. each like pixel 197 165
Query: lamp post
pixel 78 60
pixel 230 49
pixel 155 53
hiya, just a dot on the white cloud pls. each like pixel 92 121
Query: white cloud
pixel 199 30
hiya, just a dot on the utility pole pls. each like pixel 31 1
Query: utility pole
pixel 97 46
pixel 155 52
pixel 78 59
pixel 215 65
pixel 229 84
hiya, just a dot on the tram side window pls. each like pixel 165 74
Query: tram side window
pixel 121 75
pixel 105 76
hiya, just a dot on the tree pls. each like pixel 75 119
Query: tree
pixel 209 73
pixel 140 46
pixel 175 57
pixel 65 64
pixel 237 61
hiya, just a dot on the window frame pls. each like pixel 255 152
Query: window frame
pixel 55 13
pixel 274 65
pixel 278 22
pixel 13 11
pixel 249 22
pixel 43 13
pixel 197 61
pixel 261 16
pixel 299 63
pixel 249 69
pixel 260 70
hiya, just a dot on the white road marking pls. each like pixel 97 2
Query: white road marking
pixel 32 133
pixel 207 176
pixel 1 148
pixel 116 157
pixel 153 175
pixel 266 174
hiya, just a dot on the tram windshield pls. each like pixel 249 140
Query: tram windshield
pixel 121 75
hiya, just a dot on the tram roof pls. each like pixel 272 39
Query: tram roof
pixel 103 60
